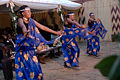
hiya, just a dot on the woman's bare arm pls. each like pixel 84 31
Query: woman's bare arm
pixel 42 27
pixel 91 32
pixel 22 25
pixel 74 22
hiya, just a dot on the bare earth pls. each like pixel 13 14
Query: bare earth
pixel 54 70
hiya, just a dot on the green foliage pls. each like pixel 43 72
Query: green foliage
pixel 106 64
pixel 115 71
pixel 110 67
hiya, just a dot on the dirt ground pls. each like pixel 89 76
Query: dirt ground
pixel 54 70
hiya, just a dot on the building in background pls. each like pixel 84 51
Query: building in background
pixel 107 10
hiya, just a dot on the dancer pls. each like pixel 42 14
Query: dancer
pixel 26 63
pixel 70 48
pixel 93 44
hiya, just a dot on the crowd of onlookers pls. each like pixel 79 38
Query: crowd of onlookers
pixel 6 43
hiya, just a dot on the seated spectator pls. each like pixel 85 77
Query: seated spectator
pixel 7 41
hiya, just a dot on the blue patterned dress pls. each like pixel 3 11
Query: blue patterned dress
pixel 27 66
pixel 93 44
pixel 70 48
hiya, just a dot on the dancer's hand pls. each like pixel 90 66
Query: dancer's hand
pixel 59 32
pixel 98 20
pixel 93 32
pixel 27 33
pixel 83 26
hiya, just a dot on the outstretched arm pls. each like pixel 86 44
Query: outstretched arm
pixel 74 22
pixel 91 32
pixel 42 27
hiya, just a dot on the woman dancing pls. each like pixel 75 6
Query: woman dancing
pixel 27 66
pixel 93 44
pixel 70 48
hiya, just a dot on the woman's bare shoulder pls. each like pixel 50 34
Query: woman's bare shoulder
pixel 20 19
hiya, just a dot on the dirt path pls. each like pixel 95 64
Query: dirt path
pixel 54 69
